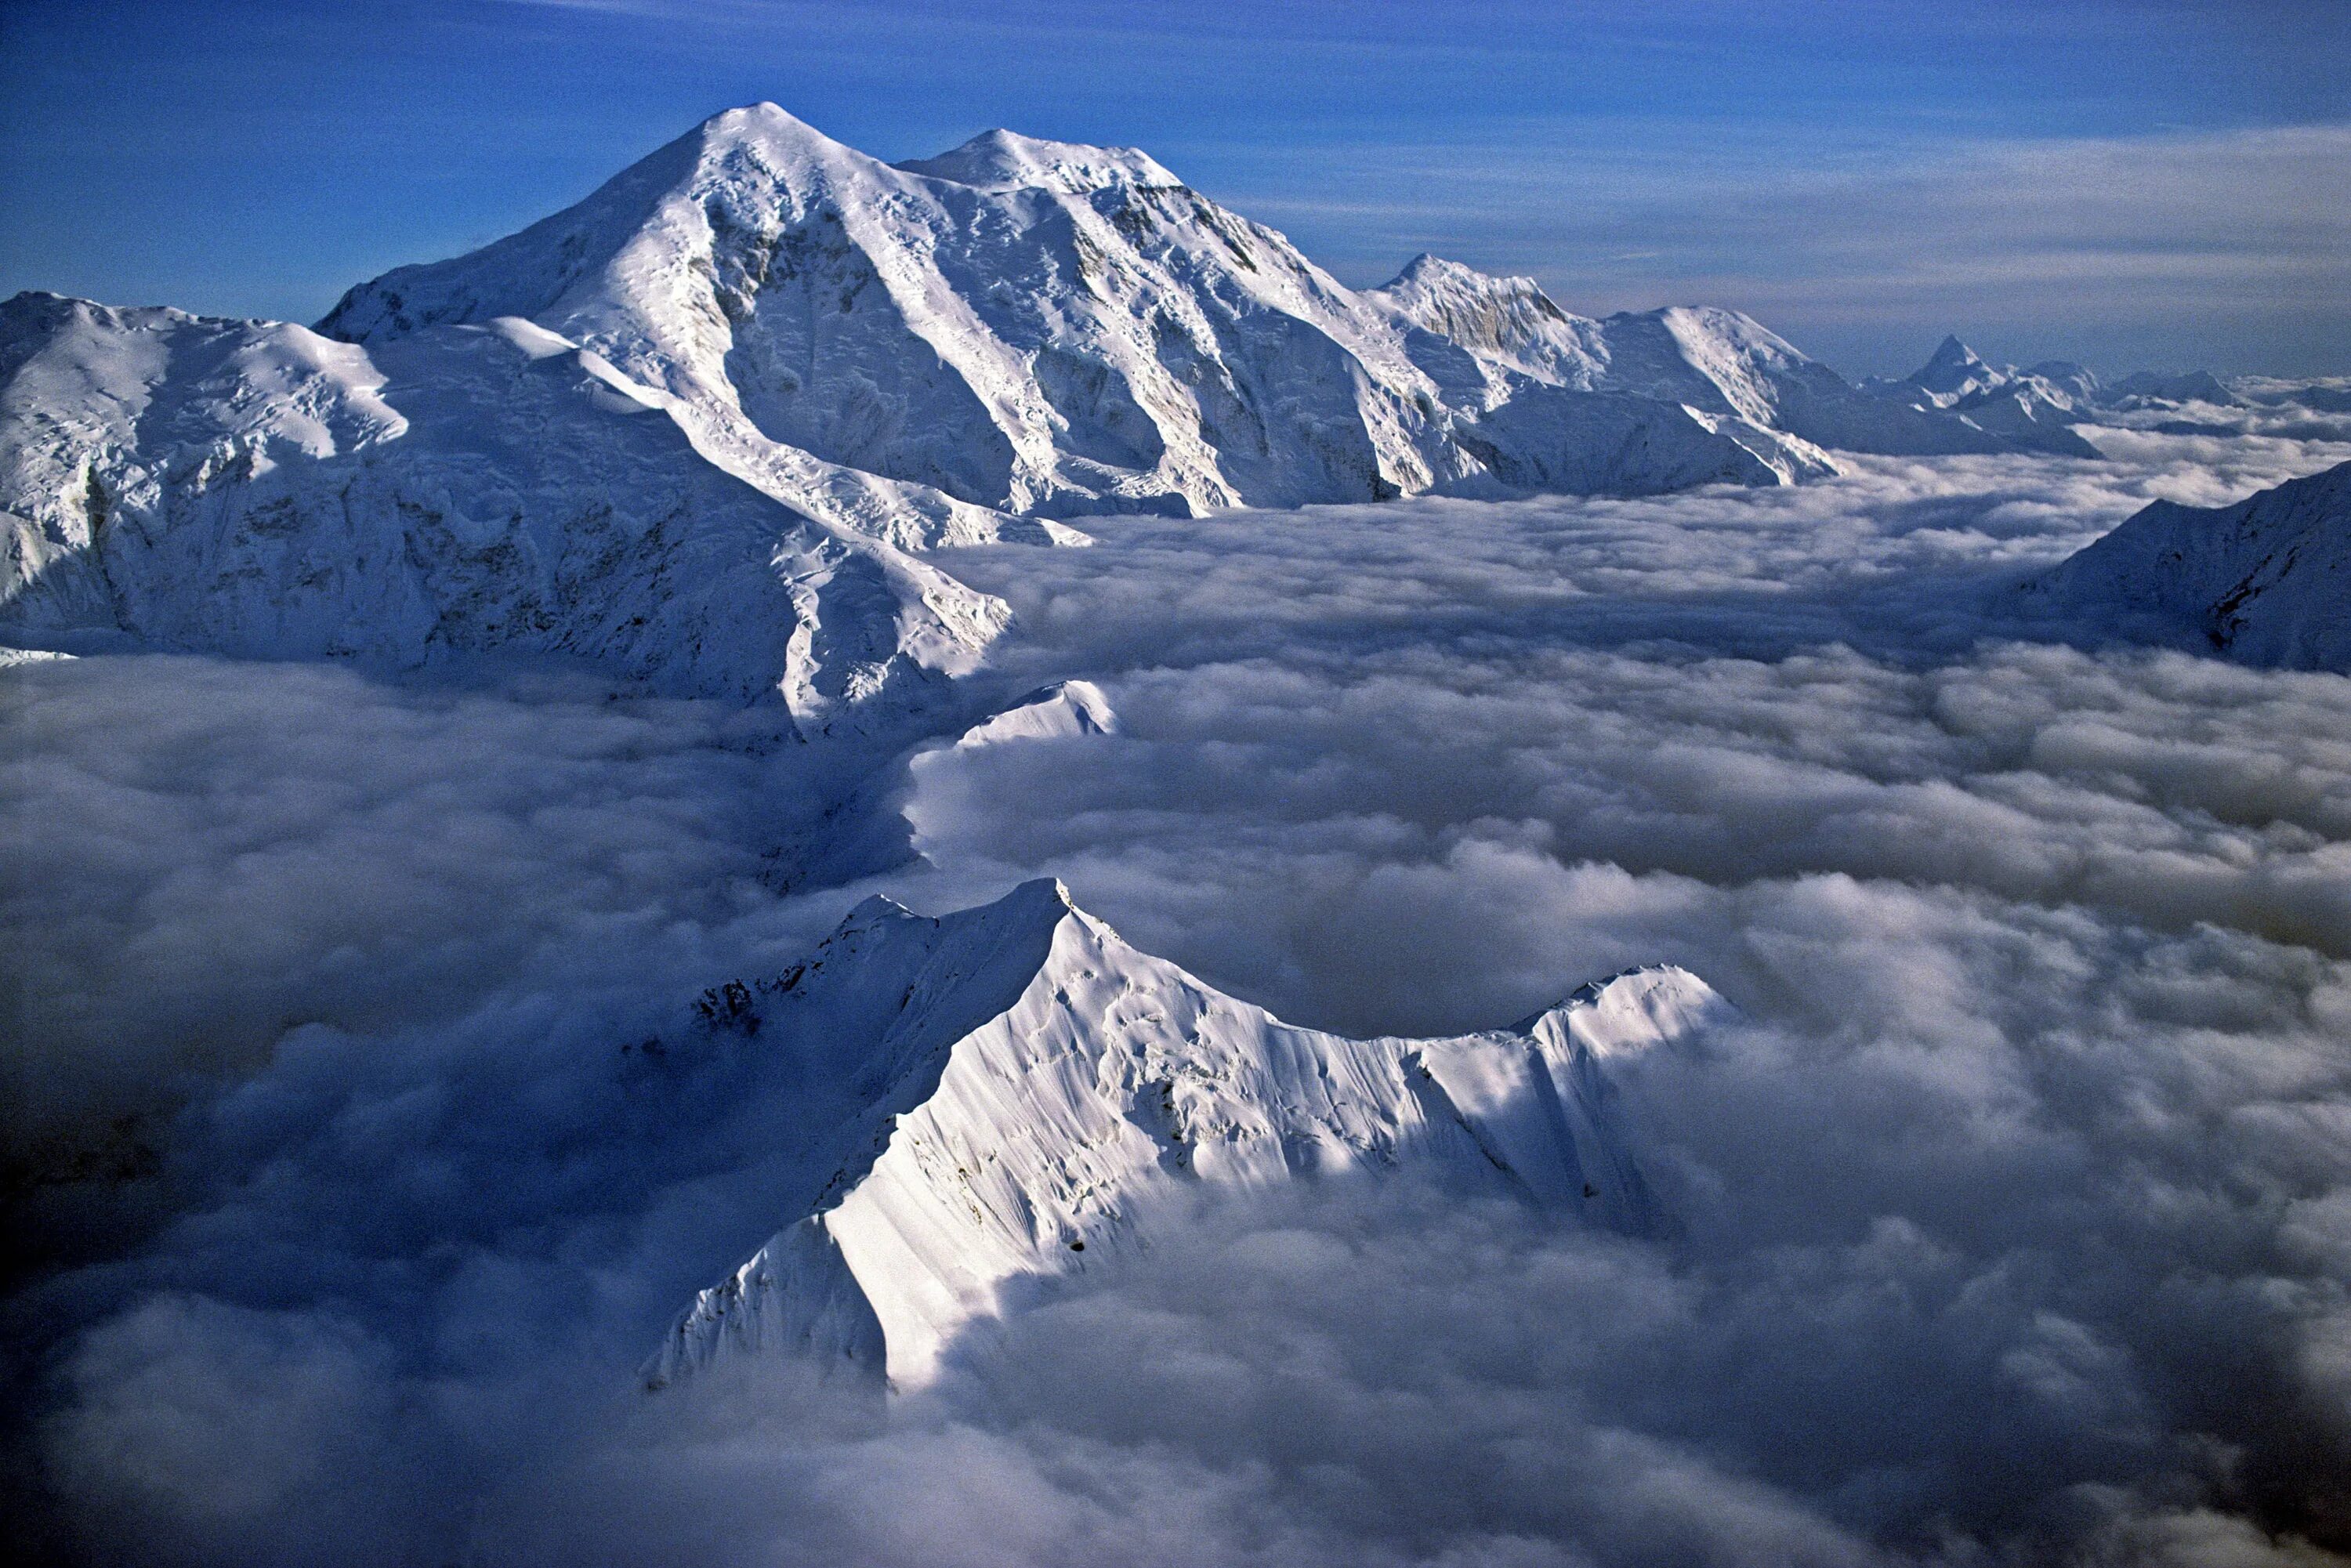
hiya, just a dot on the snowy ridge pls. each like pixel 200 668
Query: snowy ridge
pixel 1045 330
pixel 2036 408
pixel 2267 581
pixel 1064 708
pixel 1043 1091
pixel 255 489
pixel 1719 368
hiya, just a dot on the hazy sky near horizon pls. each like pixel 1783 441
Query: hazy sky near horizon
pixel 2125 182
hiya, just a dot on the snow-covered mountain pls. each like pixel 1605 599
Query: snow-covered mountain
pixel 1051 330
pixel 694 426
pixel 2035 407
pixel 256 489
pixel 1023 1096
pixel 2150 386
pixel 2031 410
pixel 1033 327
pixel 2267 581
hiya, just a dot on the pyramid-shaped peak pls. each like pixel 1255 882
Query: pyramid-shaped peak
pixel 1430 271
pixel 1006 160
pixel 1952 354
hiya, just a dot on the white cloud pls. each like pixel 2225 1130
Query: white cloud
pixel 2013 1229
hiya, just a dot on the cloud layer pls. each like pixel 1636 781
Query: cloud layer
pixel 2016 1227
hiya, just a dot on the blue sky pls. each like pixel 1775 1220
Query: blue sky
pixel 2124 182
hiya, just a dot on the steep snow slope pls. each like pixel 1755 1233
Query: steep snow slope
pixel 1098 340
pixel 1034 1094
pixel 1470 332
pixel 256 489
pixel 2267 581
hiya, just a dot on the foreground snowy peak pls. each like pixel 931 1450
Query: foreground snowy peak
pixel 255 489
pixel 2267 581
pixel 1031 1095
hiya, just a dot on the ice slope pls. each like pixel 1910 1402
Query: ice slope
pixel 2267 581
pixel 255 489
pixel 1034 1095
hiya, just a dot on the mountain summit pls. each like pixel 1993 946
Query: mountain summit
pixel 1019 1095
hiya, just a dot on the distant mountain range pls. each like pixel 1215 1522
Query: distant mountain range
pixel 699 426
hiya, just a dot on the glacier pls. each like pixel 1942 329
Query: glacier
pixel 1019 1095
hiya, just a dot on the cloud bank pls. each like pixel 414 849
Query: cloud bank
pixel 2015 1227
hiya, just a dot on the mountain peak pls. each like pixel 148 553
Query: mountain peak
pixel 1005 160
pixel 1029 1097
pixel 1429 272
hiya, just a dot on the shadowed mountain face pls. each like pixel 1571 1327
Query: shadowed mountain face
pixel 1018 1094
pixel 254 488
pixel 2266 582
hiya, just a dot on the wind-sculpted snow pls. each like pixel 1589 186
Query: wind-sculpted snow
pixel 2267 581
pixel 1043 1093
pixel 254 488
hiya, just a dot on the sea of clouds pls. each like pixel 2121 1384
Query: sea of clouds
pixel 2012 1226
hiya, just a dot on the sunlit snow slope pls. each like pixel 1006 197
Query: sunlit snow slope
pixel 255 489
pixel 1030 1092
pixel 1050 329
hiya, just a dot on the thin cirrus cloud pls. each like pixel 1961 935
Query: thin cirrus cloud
pixel 2039 249
pixel 2126 183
